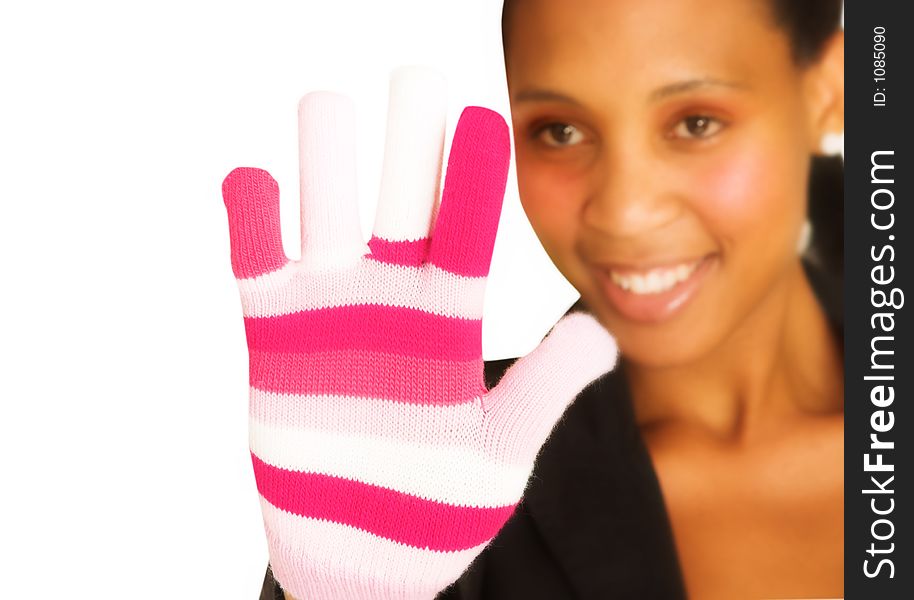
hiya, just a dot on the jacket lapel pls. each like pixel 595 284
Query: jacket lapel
pixel 596 501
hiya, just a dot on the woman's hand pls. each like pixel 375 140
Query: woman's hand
pixel 383 464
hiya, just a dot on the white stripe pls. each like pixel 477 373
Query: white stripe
pixel 367 417
pixel 322 560
pixel 461 475
pixel 428 288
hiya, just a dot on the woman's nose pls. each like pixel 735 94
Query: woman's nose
pixel 631 196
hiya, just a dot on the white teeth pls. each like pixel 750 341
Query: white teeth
pixel 655 280
pixel 625 284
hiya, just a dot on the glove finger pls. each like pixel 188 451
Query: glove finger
pixel 535 391
pixel 412 165
pixel 252 201
pixel 330 230
pixel 474 187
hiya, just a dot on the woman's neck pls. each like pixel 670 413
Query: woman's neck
pixel 783 362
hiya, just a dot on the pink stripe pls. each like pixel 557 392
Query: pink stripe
pixel 386 513
pixel 393 329
pixel 407 253
pixel 369 375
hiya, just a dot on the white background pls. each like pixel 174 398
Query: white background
pixel 123 433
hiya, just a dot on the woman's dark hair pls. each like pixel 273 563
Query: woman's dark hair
pixel 809 24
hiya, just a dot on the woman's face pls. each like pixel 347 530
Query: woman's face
pixel 662 152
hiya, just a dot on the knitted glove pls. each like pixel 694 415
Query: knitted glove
pixel 384 465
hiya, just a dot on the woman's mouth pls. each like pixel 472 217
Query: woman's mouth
pixel 654 294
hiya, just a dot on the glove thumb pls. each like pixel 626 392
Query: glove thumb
pixel 534 392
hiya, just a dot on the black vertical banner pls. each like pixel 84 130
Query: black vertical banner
pixel 879 372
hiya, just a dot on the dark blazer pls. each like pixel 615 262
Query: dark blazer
pixel 592 524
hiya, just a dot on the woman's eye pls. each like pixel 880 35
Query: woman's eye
pixel 559 135
pixel 697 127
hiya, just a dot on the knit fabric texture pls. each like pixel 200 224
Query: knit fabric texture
pixel 382 463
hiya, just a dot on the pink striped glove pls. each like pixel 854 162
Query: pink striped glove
pixel 383 464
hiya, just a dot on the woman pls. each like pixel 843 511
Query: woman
pixel 664 155
pixel 668 136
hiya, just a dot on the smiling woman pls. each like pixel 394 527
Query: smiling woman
pixel 667 159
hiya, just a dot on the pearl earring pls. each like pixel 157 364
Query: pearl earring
pixel 832 144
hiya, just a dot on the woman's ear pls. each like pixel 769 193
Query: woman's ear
pixel 826 93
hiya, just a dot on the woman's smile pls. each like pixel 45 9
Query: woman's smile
pixel 655 293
